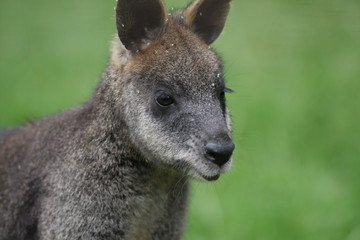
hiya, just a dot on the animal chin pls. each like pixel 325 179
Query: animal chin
pixel 201 170
pixel 212 178
pixel 205 176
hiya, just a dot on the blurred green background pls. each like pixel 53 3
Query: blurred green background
pixel 295 69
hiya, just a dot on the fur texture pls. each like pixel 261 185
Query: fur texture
pixel 118 166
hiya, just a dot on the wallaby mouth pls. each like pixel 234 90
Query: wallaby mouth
pixel 213 159
pixel 213 178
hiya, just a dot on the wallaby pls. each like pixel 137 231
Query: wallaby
pixel 118 166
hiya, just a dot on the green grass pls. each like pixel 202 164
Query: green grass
pixel 295 69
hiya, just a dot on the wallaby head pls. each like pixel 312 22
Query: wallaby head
pixel 169 85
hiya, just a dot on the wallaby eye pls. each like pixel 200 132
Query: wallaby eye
pixel 164 99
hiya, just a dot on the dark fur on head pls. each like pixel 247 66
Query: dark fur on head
pixel 118 166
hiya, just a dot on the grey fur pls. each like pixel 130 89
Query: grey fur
pixel 118 166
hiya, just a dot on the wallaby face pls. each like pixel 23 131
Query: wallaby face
pixel 173 96
pixel 118 166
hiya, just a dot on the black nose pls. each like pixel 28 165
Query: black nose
pixel 219 153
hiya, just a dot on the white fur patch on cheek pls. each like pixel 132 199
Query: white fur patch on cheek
pixel 148 135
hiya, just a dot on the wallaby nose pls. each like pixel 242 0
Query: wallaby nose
pixel 219 153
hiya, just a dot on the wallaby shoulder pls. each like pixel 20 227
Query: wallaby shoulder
pixel 28 154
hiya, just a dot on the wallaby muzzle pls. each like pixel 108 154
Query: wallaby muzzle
pixel 219 152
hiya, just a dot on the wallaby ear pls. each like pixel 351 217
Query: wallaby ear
pixel 207 18
pixel 139 22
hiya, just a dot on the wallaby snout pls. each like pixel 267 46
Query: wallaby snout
pixel 219 152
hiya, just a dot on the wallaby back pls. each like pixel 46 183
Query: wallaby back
pixel 118 166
